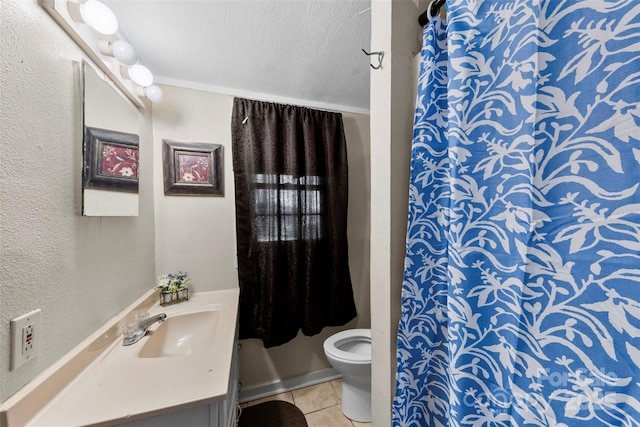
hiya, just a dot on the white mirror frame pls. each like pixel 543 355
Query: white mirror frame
pixel 87 39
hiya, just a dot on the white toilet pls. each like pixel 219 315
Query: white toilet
pixel 349 352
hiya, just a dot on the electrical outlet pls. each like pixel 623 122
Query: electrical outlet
pixel 24 338
pixel 28 338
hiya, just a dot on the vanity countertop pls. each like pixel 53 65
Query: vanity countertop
pixel 102 382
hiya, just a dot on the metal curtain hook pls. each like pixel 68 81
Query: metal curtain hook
pixel 380 56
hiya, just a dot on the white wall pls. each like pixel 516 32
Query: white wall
pixel 79 270
pixel 395 31
pixel 197 234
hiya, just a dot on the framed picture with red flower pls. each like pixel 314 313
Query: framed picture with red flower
pixel 110 160
pixel 192 168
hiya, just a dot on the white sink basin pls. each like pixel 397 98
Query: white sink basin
pixel 181 334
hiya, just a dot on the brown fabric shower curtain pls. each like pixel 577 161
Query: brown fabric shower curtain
pixel 291 187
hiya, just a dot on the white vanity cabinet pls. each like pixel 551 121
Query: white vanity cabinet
pixel 219 414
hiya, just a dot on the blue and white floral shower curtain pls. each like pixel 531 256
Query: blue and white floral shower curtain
pixel 521 295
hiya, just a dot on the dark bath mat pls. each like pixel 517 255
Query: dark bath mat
pixel 275 413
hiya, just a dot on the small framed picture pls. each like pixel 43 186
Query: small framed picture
pixel 192 168
pixel 110 160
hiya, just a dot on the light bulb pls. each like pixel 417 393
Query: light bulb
pixel 120 49
pixel 141 75
pixel 154 93
pixel 99 17
pixel 124 52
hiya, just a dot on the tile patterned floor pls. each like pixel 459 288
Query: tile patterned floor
pixel 319 403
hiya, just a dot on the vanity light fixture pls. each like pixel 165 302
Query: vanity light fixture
pixel 94 27
pixel 95 14
pixel 119 49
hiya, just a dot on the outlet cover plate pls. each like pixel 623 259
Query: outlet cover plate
pixel 21 327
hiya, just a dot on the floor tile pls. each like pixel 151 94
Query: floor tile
pixel 332 416
pixel 357 424
pixel 314 398
pixel 337 387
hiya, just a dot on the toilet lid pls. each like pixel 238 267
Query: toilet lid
pixel 332 345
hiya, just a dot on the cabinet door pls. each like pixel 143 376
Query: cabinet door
pixel 199 416
pixel 228 408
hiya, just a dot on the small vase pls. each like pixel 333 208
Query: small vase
pixel 174 297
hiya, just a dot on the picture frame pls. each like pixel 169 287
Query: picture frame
pixel 192 168
pixel 110 160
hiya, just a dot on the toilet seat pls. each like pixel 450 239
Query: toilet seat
pixel 332 344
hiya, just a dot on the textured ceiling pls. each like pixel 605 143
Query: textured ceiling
pixel 293 51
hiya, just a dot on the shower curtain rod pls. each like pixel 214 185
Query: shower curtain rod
pixel 432 10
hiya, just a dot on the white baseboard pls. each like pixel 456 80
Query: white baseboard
pixel 278 387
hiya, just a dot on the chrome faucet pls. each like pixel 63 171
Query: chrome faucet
pixel 134 332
